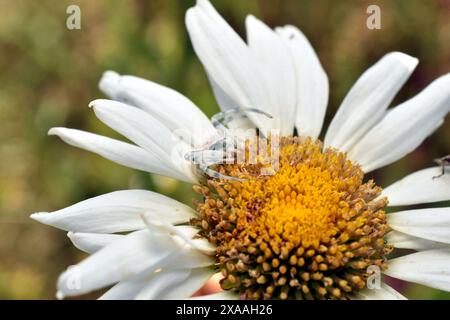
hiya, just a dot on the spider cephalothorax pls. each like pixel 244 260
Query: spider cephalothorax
pixel 228 147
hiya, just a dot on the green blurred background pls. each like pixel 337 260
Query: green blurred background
pixel 48 75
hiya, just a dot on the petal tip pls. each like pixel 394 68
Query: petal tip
pixel 97 103
pixel 251 18
pixel 409 61
pixel 189 17
pixel 109 84
pixel 39 216
pixel 110 74
pixel 53 131
pixel 59 295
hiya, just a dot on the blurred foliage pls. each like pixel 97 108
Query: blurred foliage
pixel 48 75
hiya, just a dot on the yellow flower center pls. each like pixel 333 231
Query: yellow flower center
pixel 308 231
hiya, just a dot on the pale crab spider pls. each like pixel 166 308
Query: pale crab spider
pixel 218 151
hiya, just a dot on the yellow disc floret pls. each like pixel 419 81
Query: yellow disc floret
pixel 308 231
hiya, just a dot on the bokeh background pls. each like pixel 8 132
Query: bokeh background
pixel 48 75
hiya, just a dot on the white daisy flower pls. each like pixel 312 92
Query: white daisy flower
pixel 312 230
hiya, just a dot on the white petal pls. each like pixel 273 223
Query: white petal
pixel 162 282
pixel 368 99
pixel 171 108
pixel 120 152
pixel 127 289
pixel 419 187
pixel 404 127
pixel 92 242
pixel 228 62
pixel 195 253
pixel 166 284
pixel 185 233
pixel 174 284
pixel 116 212
pixel 196 280
pixel 384 293
pixel 404 241
pixel 276 61
pixel 121 260
pixel 222 295
pixel 430 268
pixel 226 103
pixel 432 224
pixel 188 258
pixel 312 82
pixel 147 132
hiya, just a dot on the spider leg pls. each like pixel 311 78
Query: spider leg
pixel 217 175
pixel 442 173
pixel 206 157
pixel 221 119
pixel 442 164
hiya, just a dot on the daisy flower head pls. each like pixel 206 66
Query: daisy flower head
pixel 312 228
